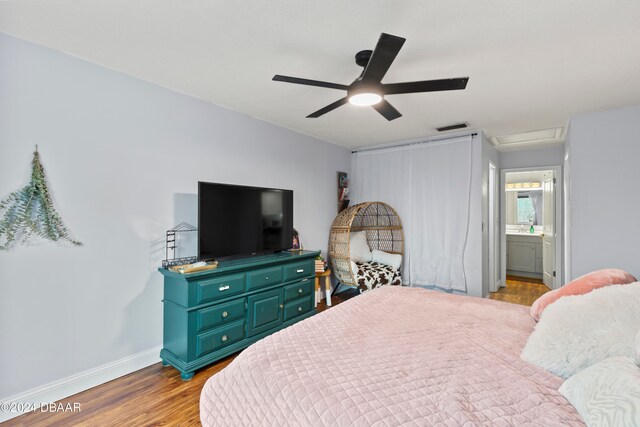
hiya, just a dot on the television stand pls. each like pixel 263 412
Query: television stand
pixel 211 314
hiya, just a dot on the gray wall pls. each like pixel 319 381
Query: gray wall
pixel 123 157
pixel 551 155
pixel 604 175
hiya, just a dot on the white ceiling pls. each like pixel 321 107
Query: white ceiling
pixel 532 64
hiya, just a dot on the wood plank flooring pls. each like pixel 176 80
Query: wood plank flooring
pixel 520 290
pixel 153 396
pixel 156 396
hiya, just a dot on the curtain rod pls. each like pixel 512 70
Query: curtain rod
pixel 417 141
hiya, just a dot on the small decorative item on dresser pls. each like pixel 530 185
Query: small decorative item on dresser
pixel 194 267
pixel 296 246
pixel 172 243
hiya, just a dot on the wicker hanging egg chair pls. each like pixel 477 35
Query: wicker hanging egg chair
pixel 383 229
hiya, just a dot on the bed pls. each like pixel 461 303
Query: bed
pixel 392 356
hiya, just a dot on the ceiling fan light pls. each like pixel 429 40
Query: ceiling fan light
pixel 365 99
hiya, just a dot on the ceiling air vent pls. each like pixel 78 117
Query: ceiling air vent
pixel 452 127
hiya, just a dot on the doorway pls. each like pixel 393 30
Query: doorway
pixel 531 226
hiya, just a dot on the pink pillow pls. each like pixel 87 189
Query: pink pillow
pixel 582 285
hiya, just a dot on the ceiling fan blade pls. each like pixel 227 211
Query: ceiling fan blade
pixel 458 83
pixel 387 110
pixel 328 108
pixel 287 79
pixel 382 57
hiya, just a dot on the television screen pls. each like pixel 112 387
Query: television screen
pixel 235 220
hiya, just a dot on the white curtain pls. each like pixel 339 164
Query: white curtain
pixel 536 200
pixel 385 176
pixel 429 184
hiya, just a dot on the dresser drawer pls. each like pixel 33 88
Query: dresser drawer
pixel 299 269
pixel 297 290
pixel 211 317
pixel 221 287
pixel 297 308
pixel 219 338
pixel 264 277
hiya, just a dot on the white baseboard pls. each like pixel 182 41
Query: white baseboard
pixel 65 387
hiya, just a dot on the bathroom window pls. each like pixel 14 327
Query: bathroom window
pixel 525 210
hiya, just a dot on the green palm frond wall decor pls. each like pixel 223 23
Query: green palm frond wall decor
pixel 29 212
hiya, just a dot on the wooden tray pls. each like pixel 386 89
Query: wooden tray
pixel 186 269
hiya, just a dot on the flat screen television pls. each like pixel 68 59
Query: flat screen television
pixel 237 221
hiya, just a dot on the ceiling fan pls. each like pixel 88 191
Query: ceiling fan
pixel 368 89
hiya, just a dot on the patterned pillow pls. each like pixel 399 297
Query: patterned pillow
pixel 372 275
pixel 607 393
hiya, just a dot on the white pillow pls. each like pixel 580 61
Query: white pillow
pixel 359 247
pixel 354 268
pixel 578 331
pixel 392 260
pixel 606 393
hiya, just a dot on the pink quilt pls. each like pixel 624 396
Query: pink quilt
pixel 392 356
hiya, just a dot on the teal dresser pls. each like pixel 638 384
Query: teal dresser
pixel 212 314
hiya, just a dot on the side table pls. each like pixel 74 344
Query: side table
pixel 327 285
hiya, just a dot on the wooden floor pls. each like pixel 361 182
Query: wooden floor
pixel 156 396
pixel 153 396
pixel 520 290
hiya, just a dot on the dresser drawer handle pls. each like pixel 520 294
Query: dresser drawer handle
pixel 266 278
pixel 305 280
pixel 281 306
pixel 300 270
pixel 299 309
pixel 300 290
pixel 223 288
pixel 225 314
pixel 224 338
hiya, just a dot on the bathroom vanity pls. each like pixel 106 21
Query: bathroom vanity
pixel 524 254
